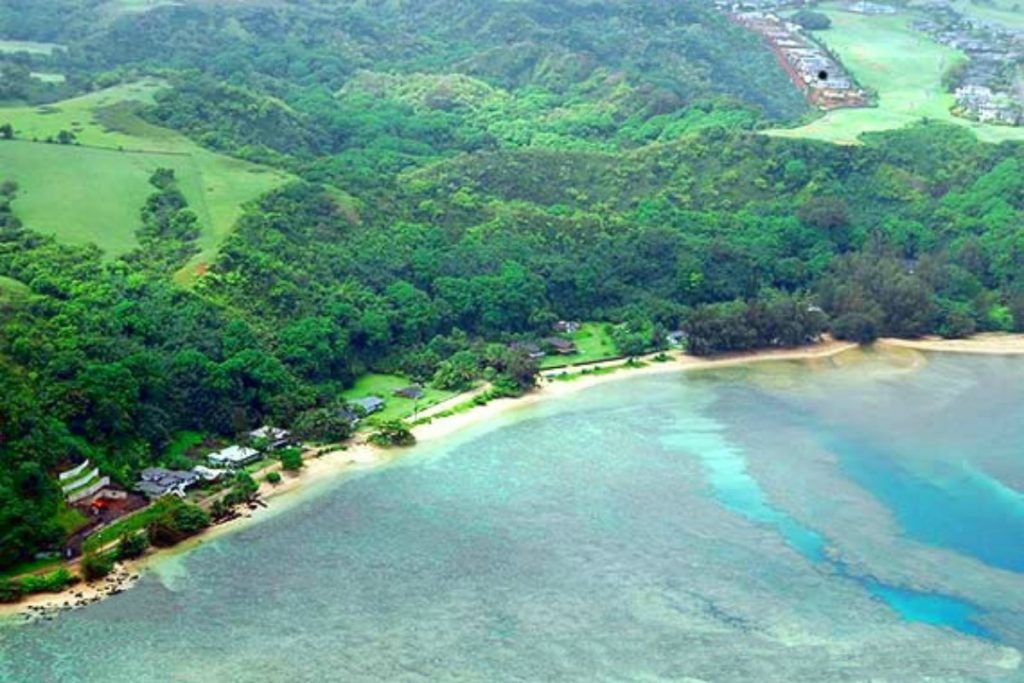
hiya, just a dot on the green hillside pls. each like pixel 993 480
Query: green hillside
pixel 92 190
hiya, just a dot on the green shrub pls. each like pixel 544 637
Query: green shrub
pixel 11 590
pixel 54 582
pixel 96 565
pixel 393 433
pixel 291 459
pixel 244 488
pixel 176 521
pixel 855 327
pixel 132 546
pixel 274 477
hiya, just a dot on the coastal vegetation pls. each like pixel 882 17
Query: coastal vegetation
pixel 391 434
pixel 266 214
pixel 174 521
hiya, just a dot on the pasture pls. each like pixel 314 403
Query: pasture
pixel 92 191
pixel 904 66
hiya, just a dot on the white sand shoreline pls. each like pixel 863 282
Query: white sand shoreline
pixel 363 456
pixel 988 344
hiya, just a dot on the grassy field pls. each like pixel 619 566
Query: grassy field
pixel 14 46
pixel 904 66
pixel 126 525
pixel 181 443
pixel 92 192
pixel 593 343
pixel 395 408
pixel 71 520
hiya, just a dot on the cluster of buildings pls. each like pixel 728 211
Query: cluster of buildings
pixel 821 78
pixel 553 345
pixel 356 409
pixel 156 482
pixel 737 6
pixel 989 88
pixel 983 104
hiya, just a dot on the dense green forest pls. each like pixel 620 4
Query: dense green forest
pixel 468 174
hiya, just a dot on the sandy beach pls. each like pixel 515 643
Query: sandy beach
pixel 361 456
pixel 991 343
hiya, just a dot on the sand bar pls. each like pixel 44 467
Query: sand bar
pixel 989 343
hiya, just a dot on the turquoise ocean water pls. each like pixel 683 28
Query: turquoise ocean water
pixel 849 520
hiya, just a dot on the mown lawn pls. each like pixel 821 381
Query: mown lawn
pixel 395 408
pixel 180 444
pixel 93 191
pixel 904 66
pixel 130 524
pixel 71 520
pixel 593 342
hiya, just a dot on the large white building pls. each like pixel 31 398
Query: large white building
pixel 234 456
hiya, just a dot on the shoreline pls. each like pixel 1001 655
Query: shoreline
pixel 362 456
pixel 993 344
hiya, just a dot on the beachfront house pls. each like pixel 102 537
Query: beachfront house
pixel 368 405
pixel 274 437
pixel 560 346
pixel 208 473
pixel 234 457
pixel 531 349
pixel 156 482
pixel 413 393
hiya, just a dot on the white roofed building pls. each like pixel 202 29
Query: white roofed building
pixel 234 457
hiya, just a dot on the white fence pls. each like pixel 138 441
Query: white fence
pixel 67 488
pixel 73 472
pixel 88 490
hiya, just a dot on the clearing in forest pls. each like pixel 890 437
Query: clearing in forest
pixel 904 67
pixel 93 190
pixel 29 46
